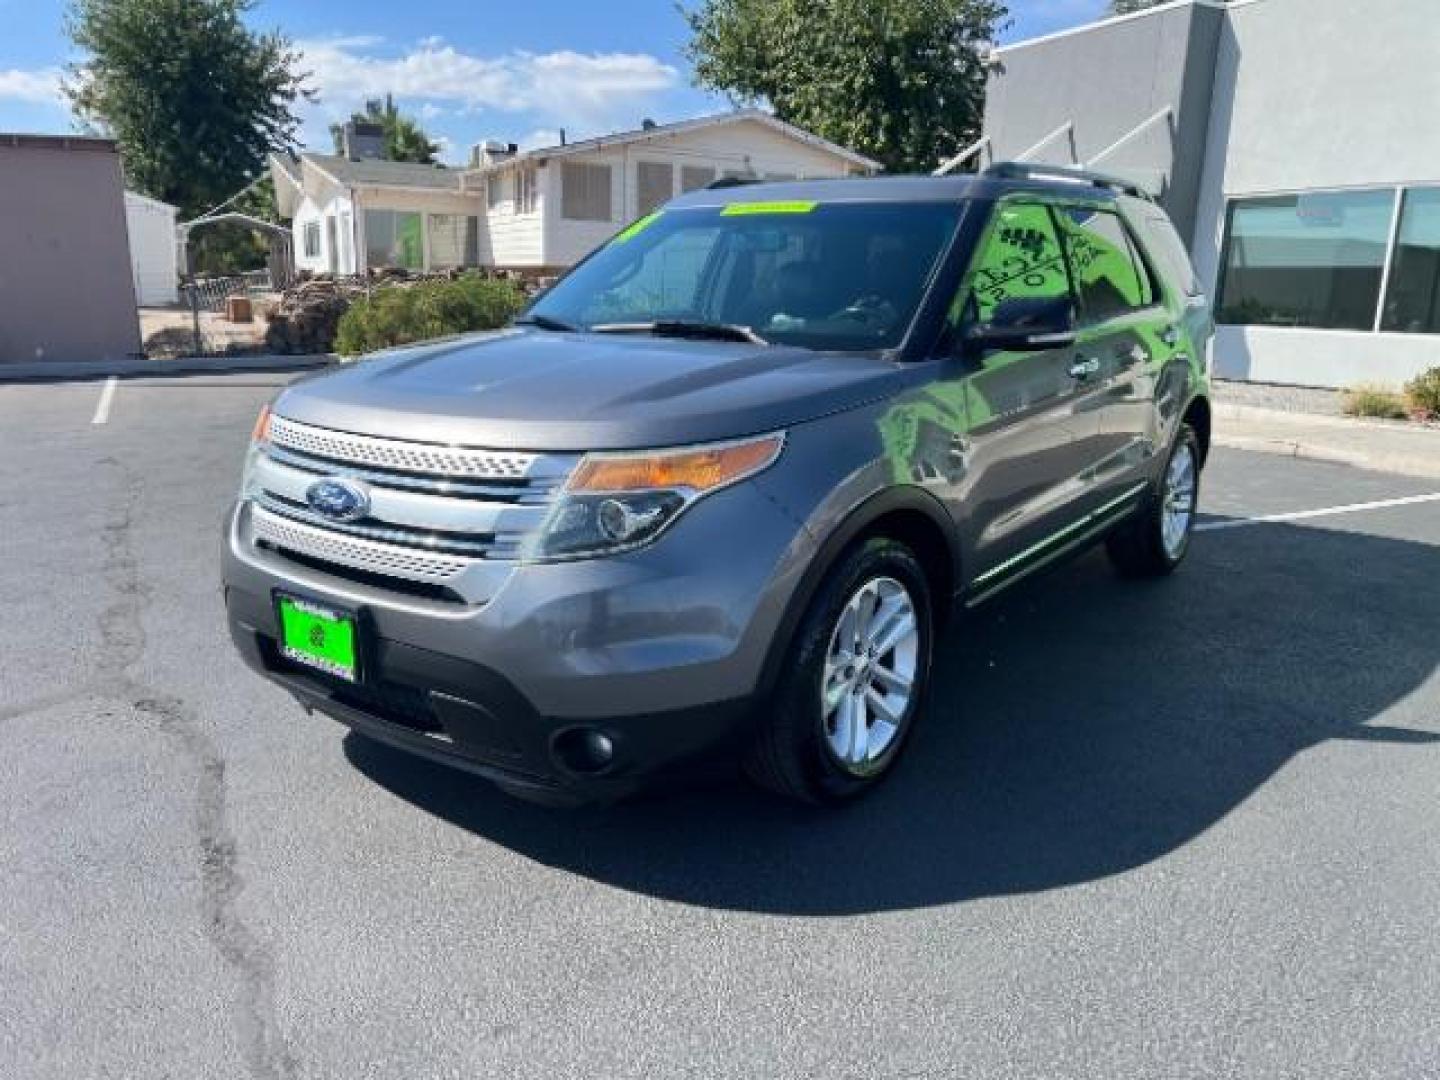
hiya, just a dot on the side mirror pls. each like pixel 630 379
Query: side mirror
pixel 1026 325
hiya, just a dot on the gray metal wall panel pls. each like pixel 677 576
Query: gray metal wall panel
pixel 66 289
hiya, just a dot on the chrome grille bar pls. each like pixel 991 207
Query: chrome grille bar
pixel 413 457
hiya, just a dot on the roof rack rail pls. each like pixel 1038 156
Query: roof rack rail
pixel 731 181
pixel 1024 170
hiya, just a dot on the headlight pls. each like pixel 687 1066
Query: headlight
pixel 618 501
pixel 259 439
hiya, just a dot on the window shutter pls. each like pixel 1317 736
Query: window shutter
pixel 655 184
pixel 586 192
pixel 695 177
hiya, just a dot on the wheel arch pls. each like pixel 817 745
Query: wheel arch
pixel 1198 415
pixel 909 515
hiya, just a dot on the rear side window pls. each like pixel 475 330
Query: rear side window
pixel 1168 250
pixel 1021 260
pixel 1109 276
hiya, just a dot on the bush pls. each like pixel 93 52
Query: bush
pixel 1423 394
pixel 1375 402
pixel 400 314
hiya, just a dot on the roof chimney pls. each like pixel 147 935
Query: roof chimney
pixel 363 141
pixel 490 152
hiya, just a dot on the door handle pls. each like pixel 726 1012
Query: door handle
pixel 1083 369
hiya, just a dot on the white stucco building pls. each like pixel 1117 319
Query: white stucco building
pixel 537 209
pixel 1292 140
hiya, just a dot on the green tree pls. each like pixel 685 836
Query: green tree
pixel 194 97
pixel 901 81
pixel 405 140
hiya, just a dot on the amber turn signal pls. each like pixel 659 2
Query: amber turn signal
pixel 697 469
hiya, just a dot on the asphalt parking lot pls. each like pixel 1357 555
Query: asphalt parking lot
pixel 1186 829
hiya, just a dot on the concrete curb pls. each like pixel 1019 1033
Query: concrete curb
pixel 159 369
pixel 1407 449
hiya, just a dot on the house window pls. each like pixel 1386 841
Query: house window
pixel 312 239
pixel 655 184
pixel 1312 260
pixel 1412 301
pixel 394 238
pixel 695 177
pixel 525 190
pixel 454 240
pixel 585 192
pixel 495 190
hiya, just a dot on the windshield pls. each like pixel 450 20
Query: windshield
pixel 841 276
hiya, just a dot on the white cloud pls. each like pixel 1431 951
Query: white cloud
pixel 39 86
pixel 540 137
pixel 557 88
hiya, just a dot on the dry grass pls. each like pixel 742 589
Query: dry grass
pixel 1375 402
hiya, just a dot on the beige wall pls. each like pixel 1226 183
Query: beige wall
pixel 66 291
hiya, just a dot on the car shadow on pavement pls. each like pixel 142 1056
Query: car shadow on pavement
pixel 1081 726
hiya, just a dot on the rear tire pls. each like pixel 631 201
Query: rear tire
pixel 855 679
pixel 1156 539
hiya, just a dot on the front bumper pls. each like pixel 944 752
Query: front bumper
pixel 661 652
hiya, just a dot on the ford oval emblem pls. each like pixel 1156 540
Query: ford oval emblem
pixel 339 500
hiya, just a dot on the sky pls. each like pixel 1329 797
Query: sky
pixel 519 70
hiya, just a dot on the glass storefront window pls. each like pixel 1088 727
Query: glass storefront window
pixel 1309 260
pixel 1412 301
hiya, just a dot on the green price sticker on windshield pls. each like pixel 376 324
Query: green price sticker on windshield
pixel 793 207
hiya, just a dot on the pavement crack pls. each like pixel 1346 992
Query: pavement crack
pixel 261 1040
pixel 123 642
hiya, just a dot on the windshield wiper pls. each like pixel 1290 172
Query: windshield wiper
pixel 680 328
pixel 545 322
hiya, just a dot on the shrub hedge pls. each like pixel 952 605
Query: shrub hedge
pixel 401 314
pixel 1423 394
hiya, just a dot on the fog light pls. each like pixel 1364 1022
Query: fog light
pixel 584 750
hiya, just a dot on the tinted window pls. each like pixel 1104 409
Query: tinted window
pixel 1307 260
pixel 1109 278
pixel 841 276
pixel 393 238
pixel 1020 260
pixel 1168 250
pixel 1412 302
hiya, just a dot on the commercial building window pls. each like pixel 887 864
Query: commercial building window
pixel 525 187
pixel 495 191
pixel 654 183
pixel 1311 260
pixel 394 238
pixel 312 239
pixel 1412 301
pixel 585 192
pixel 1109 276
pixel 454 240
pixel 695 177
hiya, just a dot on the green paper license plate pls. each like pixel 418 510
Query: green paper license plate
pixel 318 637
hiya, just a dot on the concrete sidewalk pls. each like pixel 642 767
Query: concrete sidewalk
pixel 61 371
pixel 1409 449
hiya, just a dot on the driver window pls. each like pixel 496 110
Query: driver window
pixel 1021 260
pixel 663 284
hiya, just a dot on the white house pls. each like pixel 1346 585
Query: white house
pixel 541 209
pixel 154 263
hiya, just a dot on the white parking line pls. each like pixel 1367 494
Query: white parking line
pixel 102 407
pixel 1302 515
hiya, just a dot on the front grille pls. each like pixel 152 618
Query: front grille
pixel 440 516
pixel 412 457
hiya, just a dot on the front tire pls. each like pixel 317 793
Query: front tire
pixel 855 679
pixel 1155 541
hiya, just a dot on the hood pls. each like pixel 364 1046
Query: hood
pixel 527 389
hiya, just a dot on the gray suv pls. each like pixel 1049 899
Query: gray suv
pixel 721 486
